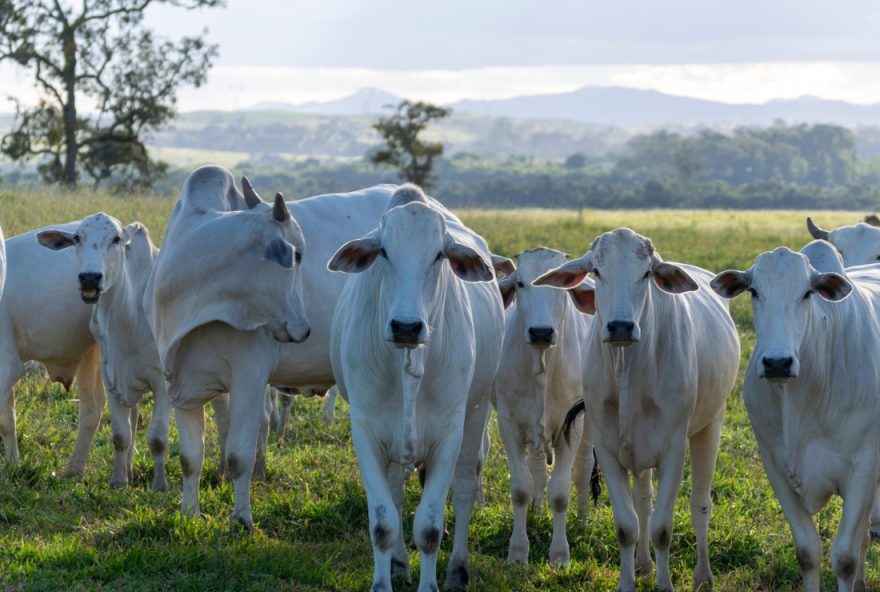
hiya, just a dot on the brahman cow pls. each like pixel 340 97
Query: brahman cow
pixel 539 379
pixel 43 318
pixel 811 391
pixel 230 282
pixel 416 340
pixel 661 357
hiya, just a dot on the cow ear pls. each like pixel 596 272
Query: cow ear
pixel 279 251
pixel 55 239
pixel 502 265
pixel 673 279
pixel 584 298
pixel 831 286
pixel 730 283
pixel 568 275
pixel 507 286
pixel 355 256
pixel 466 263
pixel 132 230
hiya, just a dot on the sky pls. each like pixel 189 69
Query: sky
pixel 444 50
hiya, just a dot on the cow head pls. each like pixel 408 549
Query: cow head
pixel 542 309
pixel 101 243
pixel 858 244
pixel 409 251
pixel 623 264
pixel 783 285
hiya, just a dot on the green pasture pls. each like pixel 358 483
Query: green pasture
pixel 311 534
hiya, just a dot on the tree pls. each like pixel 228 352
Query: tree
pixel 97 50
pixel 413 157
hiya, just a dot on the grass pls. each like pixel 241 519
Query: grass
pixel 58 533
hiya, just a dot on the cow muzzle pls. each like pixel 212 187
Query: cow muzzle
pixel 778 369
pixel 407 334
pixel 542 337
pixel 621 333
pixel 90 286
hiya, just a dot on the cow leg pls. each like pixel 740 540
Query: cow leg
pixel 583 472
pixel 643 498
pixel 191 433
pixel 704 452
pixel 807 544
pixel 559 492
pixel 669 476
pixel 10 371
pixel 859 585
pixel 626 521
pixel 284 408
pixel 481 462
pixel 464 493
pixel 538 468
pixel 91 404
pixel 399 554
pixel 520 486
pixel 275 415
pixel 246 398
pixel 123 431
pixel 875 517
pixel 263 438
pixel 384 524
pixel 846 550
pixel 157 435
pixel 428 523
pixel 220 405
pixel 328 407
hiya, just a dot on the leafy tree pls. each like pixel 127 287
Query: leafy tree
pixel 97 50
pixel 404 150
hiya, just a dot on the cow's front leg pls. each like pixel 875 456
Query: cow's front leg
pixel 520 485
pixel 263 437
pixel 384 521
pixel 537 462
pixel 846 551
pixel 464 493
pixel 669 475
pixel 429 518
pixel 400 556
pixel 643 500
pixel 704 452
pixel 625 519
pixel 559 492
pixel 191 433
pixel 91 405
pixel 123 431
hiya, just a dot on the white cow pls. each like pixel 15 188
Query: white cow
pixel 282 400
pixel 811 391
pixel 43 318
pixel 213 303
pixel 539 380
pixel 662 355
pixel 2 262
pixel 416 341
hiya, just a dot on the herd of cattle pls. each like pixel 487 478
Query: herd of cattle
pixel 426 331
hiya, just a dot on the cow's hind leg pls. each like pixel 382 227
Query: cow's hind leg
pixel 520 488
pixel 91 404
pixel 263 438
pixel 11 369
pixel 559 492
pixel 464 494
pixel 220 404
pixel 157 436
pixel 626 521
pixel 704 452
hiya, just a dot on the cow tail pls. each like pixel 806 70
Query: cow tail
pixel 595 479
pixel 570 417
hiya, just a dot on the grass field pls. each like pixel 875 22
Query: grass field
pixel 60 534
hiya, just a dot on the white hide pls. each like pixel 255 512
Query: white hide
pixel 121 257
pixel 654 392
pixel 210 357
pixel 43 318
pixel 2 263
pixel 817 426
pixel 539 380
pixel 858 244
pixel 423 400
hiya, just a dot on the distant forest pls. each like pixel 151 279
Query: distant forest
pixel 502 162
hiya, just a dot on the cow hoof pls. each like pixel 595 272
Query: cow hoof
pixel 623 588
pixel 260 474
pixel 73 472
pixel 518 554
pixel 644 565
pixel 117 483
pixel 560 560
pixel 245 523
pixel 160 485
pixel 703 581
pixel 400 569
pixel 458 575
pixel 859 586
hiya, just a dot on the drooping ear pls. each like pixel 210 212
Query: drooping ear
pixel 279 251
pixel 568 275
pixel 357 255
pixel 831 286
pixel 466 263
pixel 673 279
pixel 507 286
pixel 583 297
pixel 730 283
pixel 55 239
pixel 502 265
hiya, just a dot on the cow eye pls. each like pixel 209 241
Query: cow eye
pixel 520 285
pixel 753 292
pixel 596 273
pixel 808 294
pixel 117 240
pixel 438 257
pixel 647 273
pixel 75 238
pixel 382 252
pixel 298 257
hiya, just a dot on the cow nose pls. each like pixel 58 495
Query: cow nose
pixel 541 335
pixel 621 330
pixel 777 367
pixel 406 332
pixel 90 278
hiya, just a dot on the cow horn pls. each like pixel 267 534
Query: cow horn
pixel 279 209
pixel 250 196
pixel 816 231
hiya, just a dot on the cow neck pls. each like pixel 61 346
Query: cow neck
pixel 120 311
